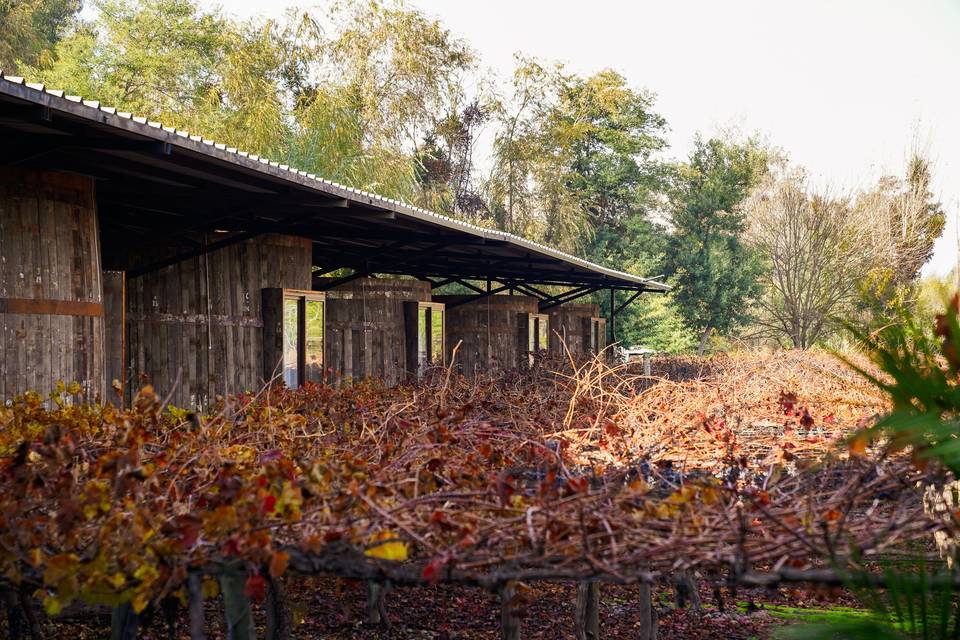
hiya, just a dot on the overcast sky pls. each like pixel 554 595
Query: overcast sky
pixel 844 86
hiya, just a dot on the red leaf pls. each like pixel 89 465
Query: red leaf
pixel 256 588
pixel 189 532
pixel 431 572
pixel 269 503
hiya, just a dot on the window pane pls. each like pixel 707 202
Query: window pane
pixel 421 337
pixel 436 335
pixel 314 346
pixel 544 327
pixel 291 341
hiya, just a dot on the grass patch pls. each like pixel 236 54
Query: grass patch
pixel 819 615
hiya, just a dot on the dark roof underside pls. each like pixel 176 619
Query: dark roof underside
pixel 158 186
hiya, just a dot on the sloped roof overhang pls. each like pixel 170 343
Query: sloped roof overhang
pixel 157 183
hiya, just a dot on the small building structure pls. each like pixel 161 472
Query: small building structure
pixel 490 332
pixel 367 327
pixel 577 329
pixel 135 253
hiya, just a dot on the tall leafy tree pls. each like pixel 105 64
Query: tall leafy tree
pixel 31 29
pixel 572 154
pixel 715 271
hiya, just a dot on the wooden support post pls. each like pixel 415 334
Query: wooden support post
pixel 613 316
pixel 376 613
pixel 237 614
pixel 648 613
pixel 195 605
pixel 279 620
pixel 509 621
pixel 124 622
pixel 587 623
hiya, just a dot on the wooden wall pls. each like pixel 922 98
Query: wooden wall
pixel 114 328
pixel 51 312
pixel 200 322
pixel 570 324
pixel 489 329
pixel 365 327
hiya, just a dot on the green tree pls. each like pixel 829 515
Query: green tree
pixel 573 154
pixel 715 271
pixel 31 28
pixel 349 95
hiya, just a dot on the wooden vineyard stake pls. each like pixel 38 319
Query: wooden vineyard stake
pixel 509 621
pixel 587 612
pixel 279 619
pixel 238 616
pixel 376 613
pixel 648 613
pixel 124 622
pixel 195 605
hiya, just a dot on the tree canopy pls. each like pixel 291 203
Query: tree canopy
pixel 379 96
pixel 715 270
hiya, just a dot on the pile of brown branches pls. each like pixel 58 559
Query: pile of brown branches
pixel 550 474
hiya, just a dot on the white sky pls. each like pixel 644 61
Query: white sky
pixel 844 86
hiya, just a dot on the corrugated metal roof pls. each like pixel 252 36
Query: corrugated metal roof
pixel 92 110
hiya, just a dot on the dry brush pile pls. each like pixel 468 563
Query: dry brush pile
pixel 582 473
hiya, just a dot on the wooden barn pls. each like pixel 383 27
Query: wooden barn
pixel 497 331
pixel 138 253
pixel 367 327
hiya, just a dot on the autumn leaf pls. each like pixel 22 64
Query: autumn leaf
pixel 392 550
pixel 255 588
pixel 269 503
pixel 278 563
pixel 434 570
pixel 858 444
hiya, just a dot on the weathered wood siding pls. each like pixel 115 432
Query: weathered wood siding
pixel 51 311
pixel 570 324
pixel 114 328
pixel 491 330
pixel 365 328
pixel 198 326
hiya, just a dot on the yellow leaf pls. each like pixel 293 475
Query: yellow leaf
pixel 52 605
pixel 118 580
pixel 139 602
pixel 394 550
pixel 210 588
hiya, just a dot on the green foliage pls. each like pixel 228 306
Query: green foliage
pixel 915 603
pixel 637 245
pixel 378 96
pixel 573 155
pixel 348 102
pixel 922 363
pixel 31 28
pixel 714 269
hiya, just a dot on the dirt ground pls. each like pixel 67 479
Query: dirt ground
pixel 333 609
